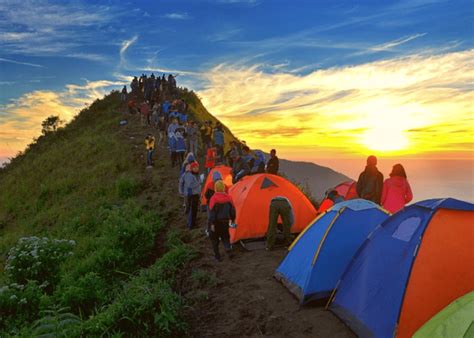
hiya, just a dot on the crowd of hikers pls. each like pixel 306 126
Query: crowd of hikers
pixel 157 101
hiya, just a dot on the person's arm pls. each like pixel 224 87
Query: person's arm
pixel 378 188
pixel 360 185
pixel 409 194
pixel 181 185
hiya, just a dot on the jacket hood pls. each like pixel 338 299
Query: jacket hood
pixel 220 198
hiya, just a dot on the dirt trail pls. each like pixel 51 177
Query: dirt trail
pixel 243 299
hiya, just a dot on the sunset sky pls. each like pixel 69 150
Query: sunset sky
pixel 319 80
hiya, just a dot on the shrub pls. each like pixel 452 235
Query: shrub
pixel 56 322
pixel 38 259
pixel 127 187
pixel 19 303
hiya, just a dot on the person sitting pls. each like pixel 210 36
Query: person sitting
pixel 259 163
pixel 221 212
pixel 396 191
pixel 273 164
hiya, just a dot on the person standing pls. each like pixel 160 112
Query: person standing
pixel 219 142
pixel 370 183
pixel 221 212
pixel 150 147
pixel 396 190
pixel 123 95
pixel 193 138
pixel 190 188
pixel 280 206
pixel 273 164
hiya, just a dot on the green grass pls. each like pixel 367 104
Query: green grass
pixel 83 183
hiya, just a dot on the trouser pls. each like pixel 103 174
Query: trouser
pixel 149 157
pixel 279 208
pixel 180 156
pixel 220 233
pixel 173 158
pixel 193 147
pixel 192 209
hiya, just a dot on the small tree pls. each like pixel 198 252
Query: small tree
pixel 52 123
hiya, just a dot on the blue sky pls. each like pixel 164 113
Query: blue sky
pixel 255 64
pixel 46 45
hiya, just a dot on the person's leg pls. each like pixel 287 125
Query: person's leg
pixel 272 224
pixel 285 216
pixel 225 237
pixel 215 245
pixel 194 209
pixel 148 158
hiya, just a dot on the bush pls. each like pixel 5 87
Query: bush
pixel 127 187
pixel 19 303
pixel 38 259
pixel 56 322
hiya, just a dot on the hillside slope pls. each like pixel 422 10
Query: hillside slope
pixel 135 270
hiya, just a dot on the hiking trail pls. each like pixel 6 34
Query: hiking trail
pixel 242 298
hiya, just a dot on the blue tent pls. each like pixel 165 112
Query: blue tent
pixel 319 256
pixel 370 294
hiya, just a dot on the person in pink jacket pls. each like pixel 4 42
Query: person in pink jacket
pixel 396 190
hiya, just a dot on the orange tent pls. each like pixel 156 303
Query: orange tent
pixel 252 196
pixel 226 177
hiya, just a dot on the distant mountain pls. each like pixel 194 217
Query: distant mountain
pixel 315 177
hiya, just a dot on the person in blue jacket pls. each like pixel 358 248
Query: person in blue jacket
pixel 190 188
pixel 219 142
pixel 180 147
pixel 259 163
pixel 172 148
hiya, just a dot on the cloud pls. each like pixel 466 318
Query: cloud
pixel 388 46
pixel 88 56
pixel 20 120
pixel 390 106
pixel 177 16
pixel 124 46
pixel 21 63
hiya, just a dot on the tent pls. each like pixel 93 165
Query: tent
pixel 319 256
pixel 417 262
pixel 454 321
pixel 345 189
pixel 226 177
pixel 252 196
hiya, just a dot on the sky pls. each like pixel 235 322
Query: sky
pixel 318 80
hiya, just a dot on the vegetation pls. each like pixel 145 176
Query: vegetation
pixel 75 237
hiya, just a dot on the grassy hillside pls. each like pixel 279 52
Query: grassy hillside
pixel 85 184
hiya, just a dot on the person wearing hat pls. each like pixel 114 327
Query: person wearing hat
pixel 190 188
pixel 370 183
pixel 209 189
pixel 150 147
pixel 221 212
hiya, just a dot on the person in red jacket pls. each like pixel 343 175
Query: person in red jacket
pixel 221 212
pixel 210 158
pixel 396 190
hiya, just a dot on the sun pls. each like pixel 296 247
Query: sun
pixel 385 139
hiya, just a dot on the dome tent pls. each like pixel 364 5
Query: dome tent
pixel 418 261
pixel 319 256
pixel 225 172
pixel 252 197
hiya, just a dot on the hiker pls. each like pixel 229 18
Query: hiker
pixel 123 95
pixel 221 212
pixel 259 163
pixel 145 113
pixel 248 156
pixel 134 85
pixel 165 109
pixel 240 168
pixel 192 132
pixel 218 136
pixel 369 185
pixel 396 190
pixel 132 107
pixel 210 158
pixel 273 163
pixel 209 188
pixel 190 158
pixel 190 187
pixel 150 147
pixel 173 126
pixel 280 206
pixel 172 148
pixel 206 132
pixel 180 146
pixel 332 197
pixel 161 129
